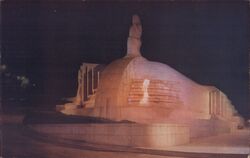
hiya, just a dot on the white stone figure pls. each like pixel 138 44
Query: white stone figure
pixel 144 99
pixel 134 39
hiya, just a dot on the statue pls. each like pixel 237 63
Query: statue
pixel 136 29
pixel 134 39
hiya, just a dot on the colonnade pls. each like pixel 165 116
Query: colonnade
pixel 88 81
pixel 220 105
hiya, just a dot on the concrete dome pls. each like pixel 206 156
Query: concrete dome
pixel 122 83
pixel 135 82
pixel 136 89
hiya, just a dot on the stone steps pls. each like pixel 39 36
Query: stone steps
pixel 150 88
pixel 153 85
pixel 90 102
pixel 158 92
pixel 156 97
pixel 156 81
pixel 152 101
pixel 153 94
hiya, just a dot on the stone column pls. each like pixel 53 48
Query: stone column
pixel 92 79
pixel 98 78
pixel 83 82
pixel 210 105
pixel 214 102
pixel 87 85
pixel 78 93
pixel 218 102
pixel 222 108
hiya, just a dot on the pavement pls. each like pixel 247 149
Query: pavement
pixel 17 142
pixel 20 142
pixel 237 142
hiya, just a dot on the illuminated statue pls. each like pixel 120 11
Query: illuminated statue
pixel 134 39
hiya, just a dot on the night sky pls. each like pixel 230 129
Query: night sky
pixel 48 40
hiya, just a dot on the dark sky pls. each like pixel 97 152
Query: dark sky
pixel 206 41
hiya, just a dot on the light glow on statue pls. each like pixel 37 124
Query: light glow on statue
pixel 146 83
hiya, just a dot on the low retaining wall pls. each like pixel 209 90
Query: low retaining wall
pixel 133 135
pixel 205 128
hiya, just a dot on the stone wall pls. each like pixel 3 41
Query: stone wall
pixel 205 128
pixel 125 134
